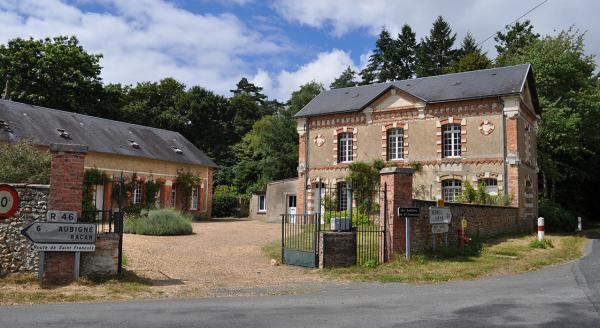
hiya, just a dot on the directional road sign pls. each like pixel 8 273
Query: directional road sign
pixel 409 211
pixel 60 233
pixel 9 201
pixel 439 228
pixel 439 215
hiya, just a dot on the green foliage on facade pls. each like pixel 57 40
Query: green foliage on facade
pixel 186 181
pixel 91 178
pixel 21 162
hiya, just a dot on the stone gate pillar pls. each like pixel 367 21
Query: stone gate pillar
pixel 399 183
pixel 66 193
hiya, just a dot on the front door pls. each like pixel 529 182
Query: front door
pixel 291 204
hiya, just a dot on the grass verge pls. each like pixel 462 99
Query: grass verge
pixel 273 250
pixel 503 255
pixel 24 289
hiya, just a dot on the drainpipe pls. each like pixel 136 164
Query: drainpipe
pixel 504 146
pixel 306 168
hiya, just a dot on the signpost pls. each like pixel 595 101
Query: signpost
pixel 408 212
pixel 9 201
pixel 61 234
pixel 439 218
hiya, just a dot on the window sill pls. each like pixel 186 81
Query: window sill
pixel 261 212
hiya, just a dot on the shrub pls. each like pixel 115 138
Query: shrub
pixel 357 218
pixel 556 217
pixel 21 162
pixel 225 202
pixel 544 243
pixel 162 222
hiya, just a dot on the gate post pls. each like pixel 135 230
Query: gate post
pixel 66 193
pixel 398 193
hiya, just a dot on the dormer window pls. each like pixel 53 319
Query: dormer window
pixel 177 150
pixel 134 144
pixel 63 133
pixel 5 125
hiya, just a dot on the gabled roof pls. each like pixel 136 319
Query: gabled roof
pixel 40 125
pixel 494 82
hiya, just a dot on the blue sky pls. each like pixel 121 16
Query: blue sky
pixel 277 44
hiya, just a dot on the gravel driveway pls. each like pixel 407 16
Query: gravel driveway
pixel 220 254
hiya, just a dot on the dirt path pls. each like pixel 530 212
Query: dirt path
pixel 220 254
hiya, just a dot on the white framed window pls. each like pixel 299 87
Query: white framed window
pixel 137 193
pixel 157 199
pixel 345 147
pixel 451 189
pixel 451 140
pixel 395 144
pixel 262 203
pixel 491 185
pixel 173 197
pixel 342 194
pixel 194 202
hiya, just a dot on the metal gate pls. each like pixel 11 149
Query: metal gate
pixel 333 207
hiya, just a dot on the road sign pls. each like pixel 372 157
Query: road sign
pixel 438 215
pixel 409 211
pixel 61 216
pixel 9 201
pixel 439 228
pixel 60 233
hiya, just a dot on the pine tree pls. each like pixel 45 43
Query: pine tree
pixel 346 79
pixel 378 69
pixel 435 51
pixel 249 89
pixel 470 57
pixel 405 52
pixel 516 38
pixel 469 45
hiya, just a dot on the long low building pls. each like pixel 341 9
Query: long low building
pixel 118 149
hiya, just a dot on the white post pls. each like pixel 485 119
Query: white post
pixel 540 228
pixel 407 231
pixel 579 223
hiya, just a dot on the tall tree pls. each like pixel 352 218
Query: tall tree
pixel 470 57
pixel 243 87
pixel 405 54
pixel 436 52
pixel 517 38
pixel 380 68
pixel 345 80
pixel 56 73
pixel 568 137
pixel 303 96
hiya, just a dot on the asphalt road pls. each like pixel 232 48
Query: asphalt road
pixel 560 296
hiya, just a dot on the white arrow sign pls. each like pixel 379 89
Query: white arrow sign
pixel 60 233
pixel 438 215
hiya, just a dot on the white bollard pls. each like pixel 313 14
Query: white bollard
pixel 579 223
pixel 540 228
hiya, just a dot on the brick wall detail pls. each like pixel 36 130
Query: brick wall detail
pixel 337 249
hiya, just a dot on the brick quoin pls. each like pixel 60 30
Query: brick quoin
pixel 66 192
pixel 301 183
pixel 399 183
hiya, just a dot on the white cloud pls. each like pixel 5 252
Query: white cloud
pixel 482 18
pixel 146 39
pixel 324 69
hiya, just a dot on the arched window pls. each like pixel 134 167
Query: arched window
pixel 451 189
pixel 451 140
pixel 395 144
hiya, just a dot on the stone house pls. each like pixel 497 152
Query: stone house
pixel 117 148
pixel 279 197
pixel 474 126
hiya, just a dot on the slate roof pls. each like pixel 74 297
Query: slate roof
pixel 40 124
pixel 502 81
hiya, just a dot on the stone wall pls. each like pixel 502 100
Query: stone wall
pixel 105 259
pixel 337 249
pixel 482 221
pixel 16 255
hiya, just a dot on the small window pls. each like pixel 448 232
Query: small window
pixel 137 193
pixel 173 197
pixel 194 202
pixel 345 147
pixel 451 189
pixel 451 140
pixel 491 185
pixel 342 194
pixel 134 144
pixel 395 144
pixel 262 203
pixel 177 150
